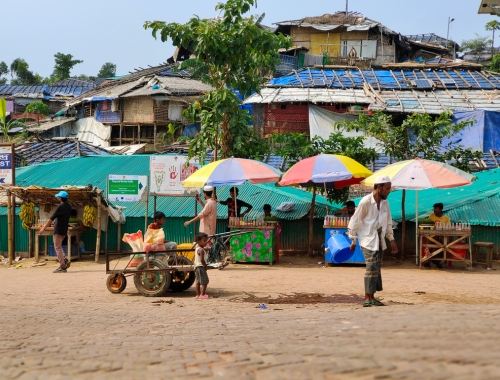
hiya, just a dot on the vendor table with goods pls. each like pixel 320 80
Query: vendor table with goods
pixel 337 242
pixel 72 231
pixel 260 243
pixel 451 242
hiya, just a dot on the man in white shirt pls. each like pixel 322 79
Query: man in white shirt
pixel 371 224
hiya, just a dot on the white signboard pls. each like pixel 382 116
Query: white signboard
pixel 6 165
pixel 167 173
pixel 126 188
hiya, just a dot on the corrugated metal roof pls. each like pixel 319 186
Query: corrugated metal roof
pixel 477 203
pixel 313 95
pixel 171 86
pixel 82 171
pixel 49 125
pixel 38 152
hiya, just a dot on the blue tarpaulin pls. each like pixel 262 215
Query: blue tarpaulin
pixel 483 135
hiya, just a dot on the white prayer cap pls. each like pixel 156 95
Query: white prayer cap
pixel 382 179
pixel 208 188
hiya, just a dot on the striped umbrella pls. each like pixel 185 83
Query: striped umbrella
pixel 232 171
pixel 420 174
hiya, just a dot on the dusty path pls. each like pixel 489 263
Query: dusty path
pixel 438 324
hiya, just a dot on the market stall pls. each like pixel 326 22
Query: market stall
pixel 259 243
pixel 449 244
pixel 40 202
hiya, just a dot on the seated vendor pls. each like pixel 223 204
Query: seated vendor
pixel 159 221
pixel 267 210
pixel 438 216
pixel 350 210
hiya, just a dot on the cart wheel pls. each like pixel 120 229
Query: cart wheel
pixel 116 283
pixel 152 284
pixel 181 280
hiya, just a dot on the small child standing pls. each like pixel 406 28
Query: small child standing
pixel 200 266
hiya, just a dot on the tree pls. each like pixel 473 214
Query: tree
pixel 19 70
pixel 4 70
pixel 495 63
pixel 492 27
pixel 38 108
pixel 63 65
pixel 6 126
pixel 419 135
pixel 85 78
pixel 476 46
pixel 107 70
pixel 231 52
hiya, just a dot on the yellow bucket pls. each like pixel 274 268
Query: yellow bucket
pixel 190 254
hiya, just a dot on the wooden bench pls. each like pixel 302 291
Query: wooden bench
pixel 489 252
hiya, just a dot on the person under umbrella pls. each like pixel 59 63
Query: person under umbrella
pixel 371 224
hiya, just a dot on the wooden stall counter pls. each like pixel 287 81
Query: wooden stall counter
pixel 72 231
pixel 447 245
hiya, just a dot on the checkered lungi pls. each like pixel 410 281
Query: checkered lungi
pixel 373 277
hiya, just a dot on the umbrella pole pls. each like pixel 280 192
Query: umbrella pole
pixel 311 221
pixel 417 256
pixel 235 202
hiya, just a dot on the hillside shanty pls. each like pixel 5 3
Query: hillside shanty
pixel 340 39
pixel 54 95
pixel 135 109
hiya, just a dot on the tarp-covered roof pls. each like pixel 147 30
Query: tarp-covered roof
pixel 385 79
pixel 63 89
pixel 34 153
pixel 477 203
pixel 82 171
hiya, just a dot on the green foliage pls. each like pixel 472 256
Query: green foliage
pixel 38 108
pixel 4 70
pixel 85 78
pixel 495 63
pixel 492 26
pixel 107 70
pixel 231 52
pixel 420 135
pixel 476 46
pixel 169 135
pixel 184 139
pixel 19 69
pixel 296 146
pixel 63 65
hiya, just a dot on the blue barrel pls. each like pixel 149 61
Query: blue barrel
pixel 338 247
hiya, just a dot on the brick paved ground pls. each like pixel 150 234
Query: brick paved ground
pixel 68 326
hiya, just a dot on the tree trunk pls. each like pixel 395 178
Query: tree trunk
pixel 311 221
pixel 403 225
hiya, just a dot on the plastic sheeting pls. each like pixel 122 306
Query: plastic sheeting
pixel 93 132
pixel 321 123
pixel 483 135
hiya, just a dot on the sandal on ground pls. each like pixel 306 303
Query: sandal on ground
pixel 367 304
pixel 377 303
pixel 204 297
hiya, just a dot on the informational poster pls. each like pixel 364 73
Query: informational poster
pixel 167 173
pixel 6 165
pixel 126 188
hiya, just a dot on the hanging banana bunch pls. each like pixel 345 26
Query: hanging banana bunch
pixel 27 214
pixel 89 216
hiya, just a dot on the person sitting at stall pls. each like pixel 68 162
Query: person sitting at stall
pixel 350 210
pixel 159 220
pixel 437 216
pixel 234 205
pixel 267 210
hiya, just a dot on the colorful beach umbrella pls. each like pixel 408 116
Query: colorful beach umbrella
pixel 232 171
pixel 330 169
pixel 421 174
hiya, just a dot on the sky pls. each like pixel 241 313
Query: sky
pixel 112 30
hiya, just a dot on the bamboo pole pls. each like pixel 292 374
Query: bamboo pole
pixel 98 242
pixel 311 221
pixel 10 224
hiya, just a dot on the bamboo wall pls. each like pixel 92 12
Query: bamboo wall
pixel 138 110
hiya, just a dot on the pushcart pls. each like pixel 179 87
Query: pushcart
pixel 161 271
